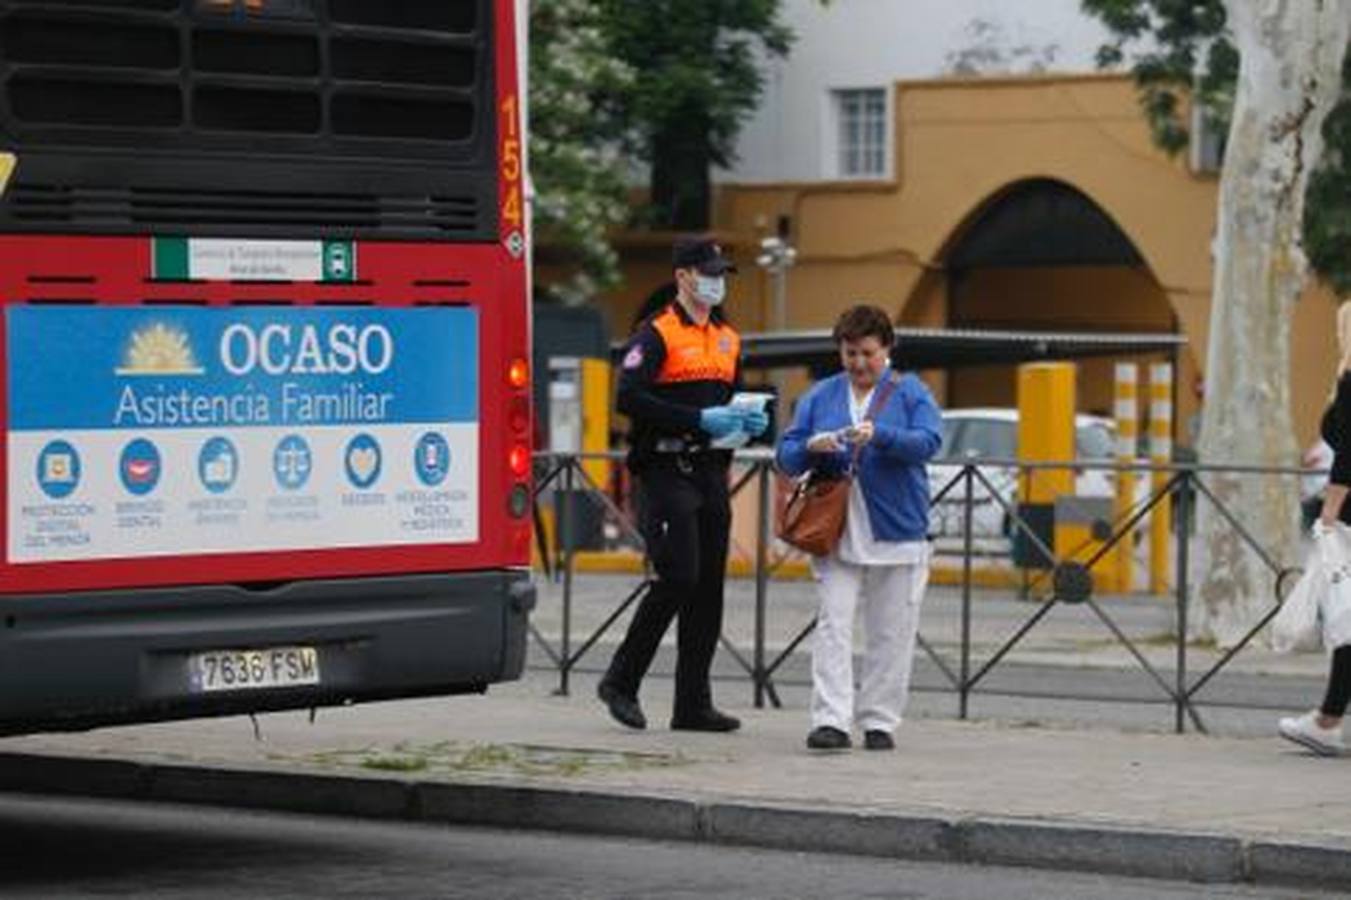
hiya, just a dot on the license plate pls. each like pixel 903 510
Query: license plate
pixel 248 670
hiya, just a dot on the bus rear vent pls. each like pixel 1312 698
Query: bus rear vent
pixel 382 95
pixel 153 209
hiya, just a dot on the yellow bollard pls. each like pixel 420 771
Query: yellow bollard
pixel 1045 434
pixel 8 161
pixel 1127 419
pixel 1046 426
pixel 1160 451
pixel 596 402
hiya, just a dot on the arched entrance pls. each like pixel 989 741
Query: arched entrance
pixel 1040 255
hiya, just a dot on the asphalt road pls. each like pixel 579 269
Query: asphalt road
pixel 85 848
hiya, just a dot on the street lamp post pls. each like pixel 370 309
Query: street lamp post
pixel 776 258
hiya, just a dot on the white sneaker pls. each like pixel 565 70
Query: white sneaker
pixel 1305 731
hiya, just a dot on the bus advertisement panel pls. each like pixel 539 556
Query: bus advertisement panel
pixel 139 432
pixel 265 393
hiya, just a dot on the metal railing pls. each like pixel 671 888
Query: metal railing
pixel 1070 576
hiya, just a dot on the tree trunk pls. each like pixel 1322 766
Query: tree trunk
pixel 681 182
pixel 1289 78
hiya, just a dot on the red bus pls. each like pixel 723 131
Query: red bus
pixel 265 393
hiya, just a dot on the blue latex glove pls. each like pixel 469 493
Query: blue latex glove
pixel 755 421
pixel 719 421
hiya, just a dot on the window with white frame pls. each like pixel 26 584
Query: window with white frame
pixel 860 132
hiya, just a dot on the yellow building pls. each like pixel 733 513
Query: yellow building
pixel 1033 203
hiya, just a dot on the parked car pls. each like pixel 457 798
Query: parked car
pixel 992 433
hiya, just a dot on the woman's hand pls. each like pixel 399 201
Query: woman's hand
pixel 1333 498
pixel 861 433
pixel 824 442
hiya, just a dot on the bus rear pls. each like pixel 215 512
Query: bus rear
pixel 266 401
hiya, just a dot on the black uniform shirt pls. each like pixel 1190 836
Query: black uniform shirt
pixel 1336 430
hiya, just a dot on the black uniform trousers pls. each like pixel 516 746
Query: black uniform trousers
pixel 685 516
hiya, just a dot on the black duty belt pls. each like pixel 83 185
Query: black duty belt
pixel 677 446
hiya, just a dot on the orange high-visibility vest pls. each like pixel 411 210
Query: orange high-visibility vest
pixel 696 352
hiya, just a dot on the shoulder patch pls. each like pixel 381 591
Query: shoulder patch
pixel 634 358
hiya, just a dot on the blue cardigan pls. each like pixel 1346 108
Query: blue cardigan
pixel 907 432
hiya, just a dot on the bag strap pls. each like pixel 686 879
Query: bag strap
pixel 880 398
pixel 883 394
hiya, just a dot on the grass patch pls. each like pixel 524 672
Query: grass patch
pixel 395 763
pixel 450 758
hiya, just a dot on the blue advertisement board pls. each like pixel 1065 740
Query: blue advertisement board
pixel 133 367
pixel 143 431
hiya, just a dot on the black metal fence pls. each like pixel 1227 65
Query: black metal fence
pixel 1068 578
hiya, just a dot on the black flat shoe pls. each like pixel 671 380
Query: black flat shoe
pixel 827 738
pixel 623 708
pixel 878 740
pixel 705 720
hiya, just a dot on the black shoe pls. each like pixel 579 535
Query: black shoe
pixel 827 738
pixel 623 707
pixel 705 720
pixel 878 740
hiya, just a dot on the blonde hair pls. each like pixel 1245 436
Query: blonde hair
pixel 1344 336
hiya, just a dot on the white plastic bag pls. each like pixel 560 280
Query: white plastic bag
pixel 1296 626
pixel 1334 546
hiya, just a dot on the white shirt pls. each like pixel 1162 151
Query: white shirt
pixel 857 544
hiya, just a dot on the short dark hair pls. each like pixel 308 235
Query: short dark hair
pixel 864 320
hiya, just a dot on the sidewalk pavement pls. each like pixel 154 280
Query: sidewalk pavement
pixel 1151 804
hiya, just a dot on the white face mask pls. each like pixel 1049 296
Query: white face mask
pixel 710 289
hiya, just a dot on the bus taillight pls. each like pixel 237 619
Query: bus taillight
pixel 518 374
pixel 520 416
pixel 518 460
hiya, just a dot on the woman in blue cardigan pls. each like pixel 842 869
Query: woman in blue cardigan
pixel 881 563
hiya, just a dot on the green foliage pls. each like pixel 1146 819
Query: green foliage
pixel 1176 36
pixel 697 65
pixel 1183 49
pixel 1327 203
pixel 578 91
pixel 617 82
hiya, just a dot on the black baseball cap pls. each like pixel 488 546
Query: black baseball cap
pixel 701 252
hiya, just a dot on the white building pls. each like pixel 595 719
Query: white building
pixel 826 112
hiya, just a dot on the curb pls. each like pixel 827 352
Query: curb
pixel 988 840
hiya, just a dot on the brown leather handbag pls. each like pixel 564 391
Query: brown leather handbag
pixel 813 518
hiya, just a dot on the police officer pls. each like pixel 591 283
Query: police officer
pixel 678 373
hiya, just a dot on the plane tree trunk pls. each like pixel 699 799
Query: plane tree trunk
pixel 1289 79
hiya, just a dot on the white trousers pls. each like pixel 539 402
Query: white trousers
pixel 889 599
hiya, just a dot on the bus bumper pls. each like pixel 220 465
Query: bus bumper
pixel 81 660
